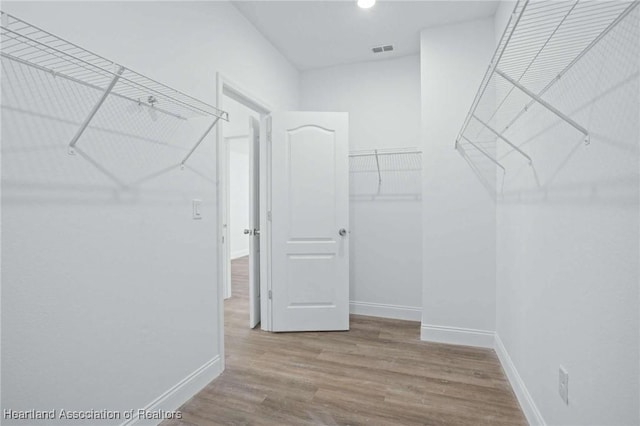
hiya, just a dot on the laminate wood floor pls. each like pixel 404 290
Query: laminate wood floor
pixel 378 373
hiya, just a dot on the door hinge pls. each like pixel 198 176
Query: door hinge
pixel 223 239
pixel 269 215
pixel 270 294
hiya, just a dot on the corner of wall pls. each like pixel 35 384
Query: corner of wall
pixel 490 340
pixel 527 404
pixel 180 393
pixel 459 213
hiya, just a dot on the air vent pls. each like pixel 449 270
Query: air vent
pixel 381 49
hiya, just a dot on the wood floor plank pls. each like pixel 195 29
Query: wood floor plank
pixel 377 373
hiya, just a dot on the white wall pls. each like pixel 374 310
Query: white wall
pixel 383 102
pixel 568 249
pixel 459 222
pixel 108 286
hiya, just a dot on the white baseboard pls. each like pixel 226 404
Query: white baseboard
pixel 529 408
pixel 410 313
pixel 173 398
pixel 239 253
pixel 457 336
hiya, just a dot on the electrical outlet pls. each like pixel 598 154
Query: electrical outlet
pixel 563 384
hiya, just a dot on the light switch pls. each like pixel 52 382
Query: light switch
pixel 196 205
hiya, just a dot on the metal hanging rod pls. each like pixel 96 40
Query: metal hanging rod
pixel 541 42
pixel 32 46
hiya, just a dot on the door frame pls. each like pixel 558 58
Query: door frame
pixel 227 87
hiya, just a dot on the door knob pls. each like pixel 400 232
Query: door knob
pixel 342 232
pixel 256 232
pixel 247 232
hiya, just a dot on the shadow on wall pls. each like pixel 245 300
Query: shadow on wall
pixel 601 92
pixel 127 150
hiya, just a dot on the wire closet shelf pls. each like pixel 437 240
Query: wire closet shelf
pixel 385 160
pixel 541 42
pixel 385 172
pixel 37 48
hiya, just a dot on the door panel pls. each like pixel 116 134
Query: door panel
pixel 309 206
pixel 254 222
pixel 311 167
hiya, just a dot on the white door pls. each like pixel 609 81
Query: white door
pixel 254 222
pixel 308 213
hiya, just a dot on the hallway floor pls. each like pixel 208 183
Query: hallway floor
pixel 378 373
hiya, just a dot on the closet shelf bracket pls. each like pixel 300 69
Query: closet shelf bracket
pixel 507 141
pixel 378 166
pixel 184 160
pixel 483 152
pixel 547 105
pixel 94 111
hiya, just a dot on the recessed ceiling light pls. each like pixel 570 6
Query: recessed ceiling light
pixel 366 4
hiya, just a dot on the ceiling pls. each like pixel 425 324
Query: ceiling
pixel 316 34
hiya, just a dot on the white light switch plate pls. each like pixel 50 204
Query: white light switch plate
pixel 196 208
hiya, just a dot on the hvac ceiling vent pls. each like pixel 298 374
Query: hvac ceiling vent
pixel 381 49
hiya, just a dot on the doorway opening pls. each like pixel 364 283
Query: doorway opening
pixel 237 229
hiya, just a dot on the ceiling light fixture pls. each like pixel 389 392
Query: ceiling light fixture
pixel 366 4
